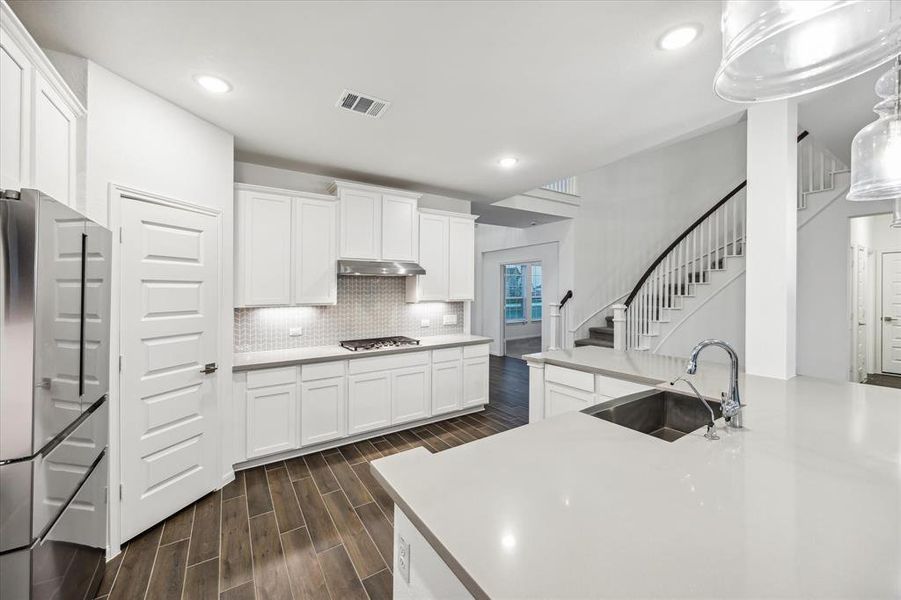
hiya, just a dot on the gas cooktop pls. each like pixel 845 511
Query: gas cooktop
pixel 376 343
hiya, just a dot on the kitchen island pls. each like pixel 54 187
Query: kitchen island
pixel 805 501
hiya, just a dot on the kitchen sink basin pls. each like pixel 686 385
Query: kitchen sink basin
pixel 662 414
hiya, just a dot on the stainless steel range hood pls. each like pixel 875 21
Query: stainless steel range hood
pixel 377 268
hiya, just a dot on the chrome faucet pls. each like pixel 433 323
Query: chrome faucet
pixel 731 400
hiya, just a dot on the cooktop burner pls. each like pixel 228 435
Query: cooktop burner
pixel 376 343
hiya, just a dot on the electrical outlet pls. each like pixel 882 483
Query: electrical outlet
pixel 450 319
pixel 295 331
pixel 403 558
pixel 425 323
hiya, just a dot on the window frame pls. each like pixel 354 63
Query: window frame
pixel 527 297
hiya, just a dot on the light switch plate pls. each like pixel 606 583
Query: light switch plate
pixel 450 319
pixel 426 323
pixel 403 558
pixel 295 331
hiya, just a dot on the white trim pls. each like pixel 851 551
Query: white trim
pixel 598 311
pixel 553 196
pixel 38 59
pixel 250 187
pixel 447 213
pixel 365 187
pixel 116 193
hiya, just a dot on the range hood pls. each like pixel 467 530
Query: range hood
pixel 378 268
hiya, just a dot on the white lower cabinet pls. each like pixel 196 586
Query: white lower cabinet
pixel 410 394
pixel 322 416
pixel 561 399
pixel 447 386
pixel 271 419
pixel 369 401
pixel 475 381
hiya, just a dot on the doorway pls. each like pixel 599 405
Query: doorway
pixel 523 307
pixel 875 300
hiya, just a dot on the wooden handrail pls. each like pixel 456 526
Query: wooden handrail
pixel 691 228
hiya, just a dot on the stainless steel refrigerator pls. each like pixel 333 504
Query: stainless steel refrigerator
pixel 54 379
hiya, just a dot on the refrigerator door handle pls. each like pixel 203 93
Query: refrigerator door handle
pixel 84 258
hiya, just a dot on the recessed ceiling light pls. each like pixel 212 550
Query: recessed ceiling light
pixel 212 84
pixel 679 37
pixel 508 162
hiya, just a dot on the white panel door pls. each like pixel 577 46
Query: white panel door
pixel 461 259
pixel 360 225
pixel 271 420
pixel 400 226
pixel 322 405
pixel 15 84
pixel 410 394
pixel 891 312
pixel 433 257
pixel 315 251
pixel 447 386
pixel 475 381
pixel 53 151
pixel 265 252
pixel 169 330
pixel 368 401
pixel 559 399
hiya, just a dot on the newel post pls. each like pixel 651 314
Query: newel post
pixel 553 325
pixel 619 326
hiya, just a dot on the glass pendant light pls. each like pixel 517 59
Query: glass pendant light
pixel 776 49
pixel 876 149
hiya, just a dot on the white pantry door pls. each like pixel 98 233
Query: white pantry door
pixel 169 319
pixel 891 312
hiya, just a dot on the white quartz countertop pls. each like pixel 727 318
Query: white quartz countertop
pixel 246 361
pixel 805 501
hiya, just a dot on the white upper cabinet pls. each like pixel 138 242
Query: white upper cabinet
pixel 447 253
pixel 400 227
pixel 315 226
pixel 38 117
pixel 461 258
pixel 285 247
pixel 264 221
pixel 360 224
pixel 376 223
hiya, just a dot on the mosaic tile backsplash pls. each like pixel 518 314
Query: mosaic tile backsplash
pixel 367 307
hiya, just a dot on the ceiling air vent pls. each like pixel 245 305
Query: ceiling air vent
pixel 365 105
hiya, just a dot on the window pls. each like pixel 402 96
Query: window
pixel 522 293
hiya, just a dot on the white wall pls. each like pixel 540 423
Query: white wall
pixel 632 209
pixel 552 244
pixel 136 139
pixel 255 174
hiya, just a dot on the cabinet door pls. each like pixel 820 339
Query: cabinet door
pixel 560 399
pixel 433 257
pixel 461 259
pixel 475 381
pixel 15 83
pixel 315 252
pixel 368 401
pixel 322 411
pixel 264 254
pixel 410 394
pixel 271 420
pixel 53 144
pixel 447 386
pixel 359 225
pixel 400 227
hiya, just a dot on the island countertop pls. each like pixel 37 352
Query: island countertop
pixel 805 501
pixel 245 361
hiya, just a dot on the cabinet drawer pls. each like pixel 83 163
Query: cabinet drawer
pixel 384 363
pixel 617 388
pixel 570 377
pixel 267 377
pixel 561 399
pixel 475 351
pixel 445 354
pixel 322 370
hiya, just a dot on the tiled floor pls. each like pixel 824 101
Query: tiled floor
pixel 312 527
pixel 517 348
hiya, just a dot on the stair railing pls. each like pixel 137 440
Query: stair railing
pixel 817 167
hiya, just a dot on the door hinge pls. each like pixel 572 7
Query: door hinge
pixel 120 235
pixel 120 363
pixel 120 491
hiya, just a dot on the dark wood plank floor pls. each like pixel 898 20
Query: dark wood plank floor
pixel 892 381
pixel 318 526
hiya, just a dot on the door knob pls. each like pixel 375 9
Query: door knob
pixel 209 368
pixel 888 319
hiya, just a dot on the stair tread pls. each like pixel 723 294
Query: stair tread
pixel 594 342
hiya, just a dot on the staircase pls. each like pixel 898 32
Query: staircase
pixel 704 260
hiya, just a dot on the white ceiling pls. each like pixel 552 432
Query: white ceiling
pixel 564 86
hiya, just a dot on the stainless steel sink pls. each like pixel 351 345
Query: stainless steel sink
pixel 663 414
